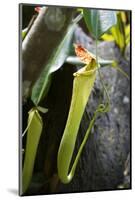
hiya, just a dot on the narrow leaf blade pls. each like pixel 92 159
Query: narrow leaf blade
pixel 24 32
pixel 33 136
pixel 57 59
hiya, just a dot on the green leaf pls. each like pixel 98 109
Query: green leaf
pixel 118 36
pixel 41 109
pixel 107 37
pixel 56 60
pixel 99 21
pixel 127 33
pixel 33 135
pixel 120 33
pixel 24 32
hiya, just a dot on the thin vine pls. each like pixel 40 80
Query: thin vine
pixel 101 107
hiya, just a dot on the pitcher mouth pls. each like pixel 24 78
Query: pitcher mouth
pixel 87 70
pixel 87 58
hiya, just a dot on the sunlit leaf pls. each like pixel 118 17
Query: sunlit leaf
pixel 123 16
pixel 57 59
pixel 119 37
pixel 127 30
pixel 107 37
pixel 127 33
pixel 24 32
pixel 33 135
pixel 99 21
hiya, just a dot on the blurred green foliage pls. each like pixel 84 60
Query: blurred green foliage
pixel 120 33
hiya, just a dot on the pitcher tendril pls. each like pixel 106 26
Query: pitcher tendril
pixel 82 86
pixel 105 107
